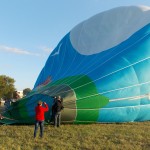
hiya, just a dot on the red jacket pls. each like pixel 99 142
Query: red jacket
pixel 40 110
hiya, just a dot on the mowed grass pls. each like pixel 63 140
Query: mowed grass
pixel 125 136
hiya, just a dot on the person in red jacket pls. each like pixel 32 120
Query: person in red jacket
pixel 39 111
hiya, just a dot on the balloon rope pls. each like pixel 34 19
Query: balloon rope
pixel 110 58
pixel 106 75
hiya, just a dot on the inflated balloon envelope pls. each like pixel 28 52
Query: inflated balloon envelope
pixel 101 68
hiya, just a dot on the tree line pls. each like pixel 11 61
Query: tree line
pixel 7 88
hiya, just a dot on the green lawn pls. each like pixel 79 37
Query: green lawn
pixel 126 136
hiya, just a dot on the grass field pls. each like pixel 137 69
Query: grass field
pixel 126 136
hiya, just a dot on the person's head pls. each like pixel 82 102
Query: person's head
pixel 40 102
pixel 59 98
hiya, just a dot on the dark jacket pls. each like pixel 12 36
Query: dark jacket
pixel 58 106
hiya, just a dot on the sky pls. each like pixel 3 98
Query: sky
pixel 31 29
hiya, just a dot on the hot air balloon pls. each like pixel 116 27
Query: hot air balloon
pixel 101 68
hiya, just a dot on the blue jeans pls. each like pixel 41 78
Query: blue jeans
pixel 57 119
pixel 37 123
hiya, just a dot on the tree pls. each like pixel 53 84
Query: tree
pixel 6 87
pixel 26 91
pixel 15 95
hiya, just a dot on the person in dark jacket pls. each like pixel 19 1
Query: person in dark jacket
pixel 39 111
pixel 53 111
pixel 58 106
